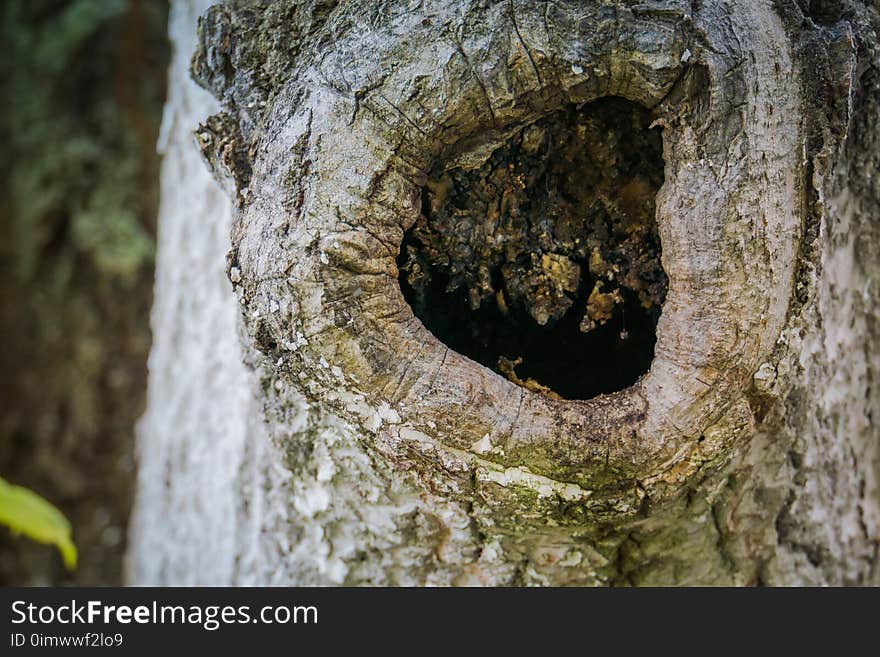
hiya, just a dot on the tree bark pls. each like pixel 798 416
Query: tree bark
pixel 305 427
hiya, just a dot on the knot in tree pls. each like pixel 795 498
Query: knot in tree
pixel 530 289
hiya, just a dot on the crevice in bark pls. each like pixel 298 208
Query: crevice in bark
pixel 824 12
pixel 544 262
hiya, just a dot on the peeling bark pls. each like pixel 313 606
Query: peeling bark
pixel 746 454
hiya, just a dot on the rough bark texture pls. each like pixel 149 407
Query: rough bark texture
pixel 373 453
pixel 82 85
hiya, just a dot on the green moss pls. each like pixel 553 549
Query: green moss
pixel 75 130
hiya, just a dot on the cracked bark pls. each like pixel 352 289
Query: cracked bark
pixel 361 449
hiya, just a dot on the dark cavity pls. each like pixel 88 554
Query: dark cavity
pixel 544 263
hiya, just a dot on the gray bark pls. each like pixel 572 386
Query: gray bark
pixel 363 450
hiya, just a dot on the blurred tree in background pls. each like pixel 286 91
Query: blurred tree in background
pixel 83 82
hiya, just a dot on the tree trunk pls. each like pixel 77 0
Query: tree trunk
pixel 664 214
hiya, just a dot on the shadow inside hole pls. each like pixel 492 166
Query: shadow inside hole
pixel 544 263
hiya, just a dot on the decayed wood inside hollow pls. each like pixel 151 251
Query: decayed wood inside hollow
pixel 544 263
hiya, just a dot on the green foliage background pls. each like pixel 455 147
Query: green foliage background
pixel 82 83
pixel 24 512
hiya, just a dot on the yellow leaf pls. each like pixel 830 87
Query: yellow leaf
pixel 25 512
